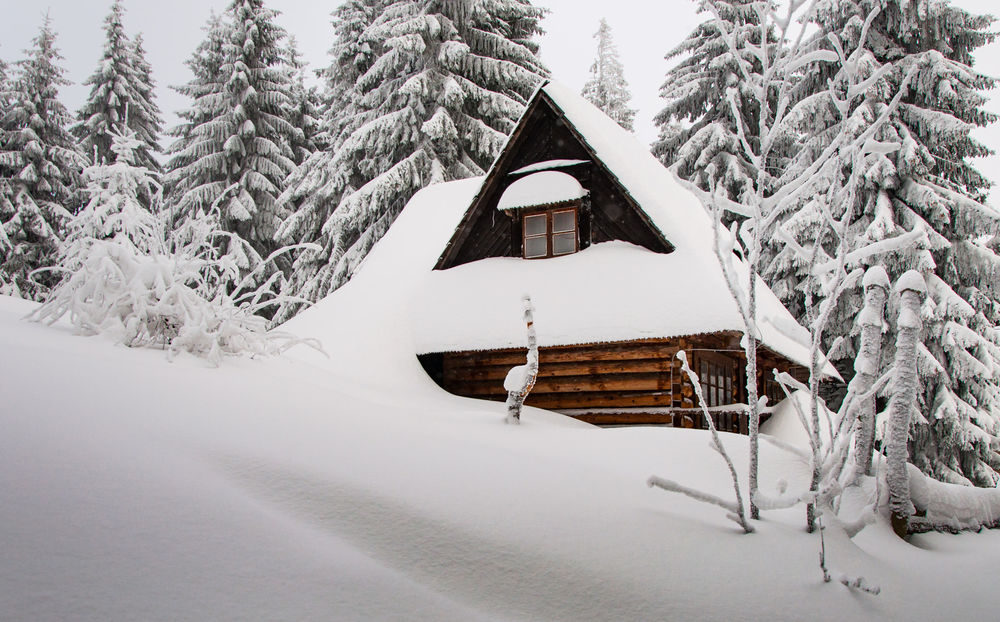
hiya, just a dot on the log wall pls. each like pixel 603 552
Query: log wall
pixel 609 384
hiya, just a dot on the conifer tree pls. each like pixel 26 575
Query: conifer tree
pixel 438 87
pixel 237 138
pixel 39 170
pixel 146 87
pixel 304 112
pixel 929 190
pixel 698 131
pixel 607 88
pixel 121 88
pixel 204 64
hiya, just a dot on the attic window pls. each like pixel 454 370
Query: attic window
pixel 550 233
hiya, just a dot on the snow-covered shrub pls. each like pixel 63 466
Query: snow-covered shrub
pixel 124 279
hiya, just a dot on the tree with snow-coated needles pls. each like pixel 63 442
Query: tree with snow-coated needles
pixel 439 86
pixel 39 170
pixel 699 138
pixel 928 189
pixel 237 139
pixel 607 88
pixel 121 89
pixel 126 279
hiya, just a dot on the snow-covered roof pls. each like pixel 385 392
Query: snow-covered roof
pixel 542 188
pixel 546 166
pixel 613 291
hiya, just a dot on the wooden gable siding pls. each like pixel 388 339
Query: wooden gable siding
pixel 612 383
pixel 542 135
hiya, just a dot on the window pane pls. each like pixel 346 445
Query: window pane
pixel 563 243
pixel 534 225
pixel 536 247
pixel 564 221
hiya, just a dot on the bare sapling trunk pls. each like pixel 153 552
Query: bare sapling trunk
pixel 872 323
pixel 521 379
pixel 904 396
pixel 736 513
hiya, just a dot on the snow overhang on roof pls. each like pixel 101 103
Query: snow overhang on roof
pixel 547 166
pixel 542 188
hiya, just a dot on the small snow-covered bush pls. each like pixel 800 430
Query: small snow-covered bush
pixel 123 278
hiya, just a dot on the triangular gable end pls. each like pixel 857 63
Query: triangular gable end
pixel 545 135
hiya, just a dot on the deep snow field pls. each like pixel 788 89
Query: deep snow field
pixel 135 488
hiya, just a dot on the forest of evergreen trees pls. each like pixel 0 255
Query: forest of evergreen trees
pixel 275 190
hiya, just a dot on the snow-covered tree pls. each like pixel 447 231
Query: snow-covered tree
pixel 204 64
pixel 699 138
pixel 304 115
pixel 439 85
pixel 121 87
pixel 927 188
pixel 904 397
pixel 521 379
pixel 607 88
pixel 237 139
pixel 39 169
pixel 871 322
pixel 126 280
pixel 146 88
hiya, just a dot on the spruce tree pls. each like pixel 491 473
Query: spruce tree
pixel 607 88
pixel 204 64
pixel 146 87
pixel 39 170
pixel 698 131
pixel 305 106
pixel 438 87
pixel 236 144
pixel 120 87
pixel 929 189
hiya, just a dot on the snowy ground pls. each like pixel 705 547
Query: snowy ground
pixel 133 488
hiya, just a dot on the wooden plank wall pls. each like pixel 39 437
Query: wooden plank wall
pixel 618 375
pixel 597 377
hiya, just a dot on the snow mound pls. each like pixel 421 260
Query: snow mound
pixel 544 188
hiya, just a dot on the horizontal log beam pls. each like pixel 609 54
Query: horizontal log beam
pixel 573 384
pixel 565 354
pixel 572 368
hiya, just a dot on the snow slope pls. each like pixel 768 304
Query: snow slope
pixel 134 488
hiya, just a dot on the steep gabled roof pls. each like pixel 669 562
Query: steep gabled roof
pixel 555 104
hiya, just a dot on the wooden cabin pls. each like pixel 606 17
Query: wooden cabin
pixel 618 258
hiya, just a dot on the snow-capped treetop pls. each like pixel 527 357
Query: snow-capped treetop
pixel 698 131
pixel 38 152
pixel 239 138
pixel 543 188
pixel 607 88
pixel 121 87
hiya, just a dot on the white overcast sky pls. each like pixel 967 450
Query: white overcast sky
pixel 644 31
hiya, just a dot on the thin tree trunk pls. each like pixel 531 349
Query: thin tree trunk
pixel 872 322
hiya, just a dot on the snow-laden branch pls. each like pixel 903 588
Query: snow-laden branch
pixel 736 511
